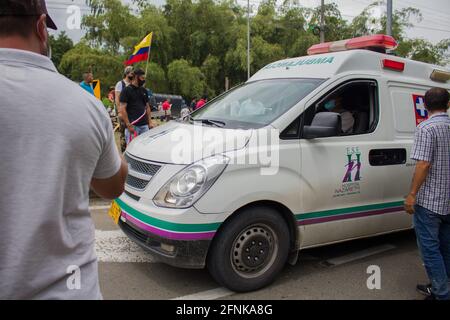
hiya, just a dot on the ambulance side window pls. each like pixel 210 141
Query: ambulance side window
pixel 357 103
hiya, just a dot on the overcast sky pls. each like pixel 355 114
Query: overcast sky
pixel 434 27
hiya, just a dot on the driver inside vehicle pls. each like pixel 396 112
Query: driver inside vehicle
pixel 348 120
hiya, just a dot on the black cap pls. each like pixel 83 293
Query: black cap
pixel 26 8
pixel 139 72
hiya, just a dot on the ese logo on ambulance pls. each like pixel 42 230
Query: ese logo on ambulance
pixel 350 182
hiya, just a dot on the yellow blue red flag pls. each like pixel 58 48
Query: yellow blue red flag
pixel 141 51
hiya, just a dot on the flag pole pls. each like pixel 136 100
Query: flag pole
pixel 146 67
pixel 148 57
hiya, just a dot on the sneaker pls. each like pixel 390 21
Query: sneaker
pixel 424 289
pixel 430 297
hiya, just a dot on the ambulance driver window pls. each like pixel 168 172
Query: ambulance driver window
pixel 356 103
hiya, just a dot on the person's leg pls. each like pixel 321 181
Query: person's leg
pixel 127 136
pixel 427 225
pixel 444 239
pixel 141 129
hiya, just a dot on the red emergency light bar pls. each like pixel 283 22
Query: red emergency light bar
pixel 377 42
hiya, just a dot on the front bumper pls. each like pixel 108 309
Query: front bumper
pixel 190 254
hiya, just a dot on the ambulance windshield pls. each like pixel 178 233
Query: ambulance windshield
pixel 255 104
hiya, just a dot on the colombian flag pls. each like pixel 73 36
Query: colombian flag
pixel 141 51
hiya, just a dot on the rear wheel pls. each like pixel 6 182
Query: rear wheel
pixel 250 249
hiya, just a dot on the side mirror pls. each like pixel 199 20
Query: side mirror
pixel 324 124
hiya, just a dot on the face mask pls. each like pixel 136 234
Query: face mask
pixel 141 82
pixel 329 105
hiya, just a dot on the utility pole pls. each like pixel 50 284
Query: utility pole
pixel 248 39
pixel 322 21
pixel 389 18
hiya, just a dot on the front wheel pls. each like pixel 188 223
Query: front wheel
pixel 250 249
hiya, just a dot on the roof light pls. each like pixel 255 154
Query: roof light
pixel 319 48
pixel 440 75
pixel 377 42
pixel 393 65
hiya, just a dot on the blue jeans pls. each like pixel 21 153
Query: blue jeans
pixel 139 130
pixel 433 238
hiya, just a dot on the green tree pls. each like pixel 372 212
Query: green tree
pixel 156 77
pixel 336 28
pixel 83 58
pixel 181 16
pixel 185 79
pixel 151 19
pixel 415 49
pixel 60 45
pixel 109 25
pixel 422 50
pixel 211 69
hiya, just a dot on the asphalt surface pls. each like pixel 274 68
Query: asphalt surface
pixel 332 272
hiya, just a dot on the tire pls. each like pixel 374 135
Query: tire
pixel 258 234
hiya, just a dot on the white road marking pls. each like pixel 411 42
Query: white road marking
pixel 115 246
pixel 207 295
pixel 99 207
pixel 359 255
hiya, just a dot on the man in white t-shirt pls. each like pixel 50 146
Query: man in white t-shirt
pixel 127 77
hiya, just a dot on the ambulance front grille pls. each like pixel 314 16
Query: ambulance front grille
pixel 140 172
pixel 136 182
pixel 142 167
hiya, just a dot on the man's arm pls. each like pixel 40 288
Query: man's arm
pixel 112 187
pixel 108 179
pixel 117 97
pixel 124 116
pixel 420 175
pixel 422 152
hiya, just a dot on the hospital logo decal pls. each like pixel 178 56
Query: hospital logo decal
pixel 353 164
pixel 419 107
pixel 352 177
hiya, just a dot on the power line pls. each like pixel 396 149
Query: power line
pixel 424 8
pixel 438 14
pixel 442 20
pixel 430 28
pixel 61 6
pixel 64 2
pixel 65 9
pixel 438 24
pixel 413 26
pixel 438 20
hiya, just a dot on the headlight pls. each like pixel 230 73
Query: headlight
pixel 187 186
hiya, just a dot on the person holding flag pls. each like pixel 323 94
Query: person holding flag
pixel 134 108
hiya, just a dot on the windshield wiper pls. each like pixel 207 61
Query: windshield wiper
pixel 216 123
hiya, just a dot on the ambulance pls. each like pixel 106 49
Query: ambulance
pixel 309 151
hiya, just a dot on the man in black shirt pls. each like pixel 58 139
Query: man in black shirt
pixel 135 108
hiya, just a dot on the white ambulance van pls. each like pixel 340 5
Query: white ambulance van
pixel 311 151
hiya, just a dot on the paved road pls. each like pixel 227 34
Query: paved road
pixel 332 272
